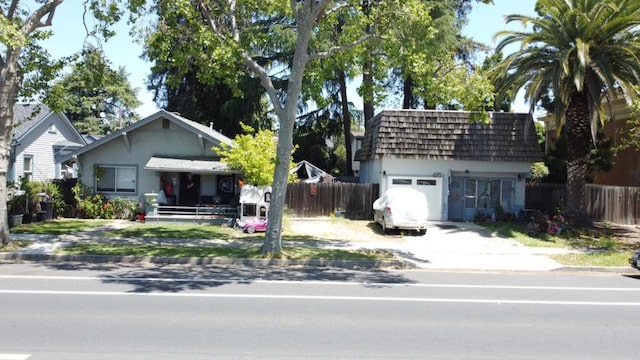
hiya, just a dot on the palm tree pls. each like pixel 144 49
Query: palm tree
pixel 579 52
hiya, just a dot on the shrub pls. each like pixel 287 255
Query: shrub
pixel 97 206
pixel 123 208
pixel 543 224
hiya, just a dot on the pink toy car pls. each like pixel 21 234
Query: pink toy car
pixel 251 226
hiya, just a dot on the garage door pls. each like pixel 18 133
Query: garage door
pixel 431 187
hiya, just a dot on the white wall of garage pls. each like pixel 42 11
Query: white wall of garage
pixel 382 171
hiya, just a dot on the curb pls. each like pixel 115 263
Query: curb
pixel 597 269
pixel 347 264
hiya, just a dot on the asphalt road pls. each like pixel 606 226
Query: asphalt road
pixel 108 311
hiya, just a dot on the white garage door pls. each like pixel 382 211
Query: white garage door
pixel 430 186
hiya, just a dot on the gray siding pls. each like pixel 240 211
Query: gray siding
pixel 39 143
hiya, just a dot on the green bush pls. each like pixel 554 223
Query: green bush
pixel 55 196
pixel 97 206
pixel 123 208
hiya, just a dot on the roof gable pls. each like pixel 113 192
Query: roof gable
pixel 27 118
pixel 449 135
pixel 198 129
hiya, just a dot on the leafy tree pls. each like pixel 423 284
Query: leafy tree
pixel 442 73
pixel 254 154
pixel 489 63
pixel 631 136
pixel 204 99
pixel 27 70
pixel 601 158
pixel 305 30
pixel 95 98
pixel 538 171
pixel 578 51
pixel 318 133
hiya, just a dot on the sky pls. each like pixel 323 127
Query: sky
pixel 123 50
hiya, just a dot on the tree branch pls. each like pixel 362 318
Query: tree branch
pixel 12 10
pixel 34 21
pixel 208 16
pixel 266 82
pixel 334 49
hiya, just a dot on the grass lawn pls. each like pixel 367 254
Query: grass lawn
pixel 245 252
pixel 175 231
pixel 15 245
pixel 602 245
pixel 186 231
pixel 58 227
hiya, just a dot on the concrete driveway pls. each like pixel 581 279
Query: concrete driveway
pixel 466 246
pixel 446 245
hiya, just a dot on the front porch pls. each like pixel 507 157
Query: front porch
pixel 201 214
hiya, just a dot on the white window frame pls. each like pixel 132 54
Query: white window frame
pixel 116 179
pixel 486 196
pixel 27 172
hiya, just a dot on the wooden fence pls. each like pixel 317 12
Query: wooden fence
pixel 352 201
pixel 615 204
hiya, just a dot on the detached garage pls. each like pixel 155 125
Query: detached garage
pixel 463 168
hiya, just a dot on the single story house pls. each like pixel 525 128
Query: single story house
pixel 41 138
pixel 163 152
pixel 463 167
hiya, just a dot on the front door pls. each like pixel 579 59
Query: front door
pixel 456 199
pixel 189 189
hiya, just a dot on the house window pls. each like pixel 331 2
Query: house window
pixel 52 129
pixel 426 182
pixel 401 181
pixel 470 192
pixel 27 167
pixel 506 195
pixel 249 209
pixel 488 193
pixel 116 179
pixel 166 124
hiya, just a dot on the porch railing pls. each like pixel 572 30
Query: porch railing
pixel 195 211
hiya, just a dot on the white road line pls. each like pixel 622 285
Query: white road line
pixel 14 356
pixel 324 298
pixel 313 282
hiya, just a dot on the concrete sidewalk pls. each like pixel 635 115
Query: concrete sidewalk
pixel 446 246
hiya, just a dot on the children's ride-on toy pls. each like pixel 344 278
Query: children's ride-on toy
pixel 253 225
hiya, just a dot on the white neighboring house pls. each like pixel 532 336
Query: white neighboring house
pixel 462 167
pixel 163 149
pixel 41 138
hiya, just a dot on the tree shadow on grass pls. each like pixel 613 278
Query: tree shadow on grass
pixel 179 278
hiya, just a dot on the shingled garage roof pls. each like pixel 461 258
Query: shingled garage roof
pixel 449 135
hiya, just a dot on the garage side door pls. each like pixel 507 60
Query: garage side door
pixel 431 187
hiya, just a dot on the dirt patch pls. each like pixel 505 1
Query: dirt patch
pixel 338 229
pixel 628 235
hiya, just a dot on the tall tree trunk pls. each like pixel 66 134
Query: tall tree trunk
pixel 367 83
pixel 346 120
pixel 367 73
pixel 9 82
pixel 273 237
pixel 407 93
pixel 287 116
pixel 578 148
